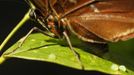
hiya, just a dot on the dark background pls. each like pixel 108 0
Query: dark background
pixel 11 12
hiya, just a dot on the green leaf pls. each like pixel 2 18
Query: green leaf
pixel 43 48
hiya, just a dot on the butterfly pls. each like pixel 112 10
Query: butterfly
pixel 94 21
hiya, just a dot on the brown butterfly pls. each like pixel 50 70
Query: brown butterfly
pixel 95 21
pixel 91 20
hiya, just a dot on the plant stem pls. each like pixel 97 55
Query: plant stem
pixel 20 24
pixel 2 59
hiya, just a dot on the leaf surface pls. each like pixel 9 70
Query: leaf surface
pixel 46 49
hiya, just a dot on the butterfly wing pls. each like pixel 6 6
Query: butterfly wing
pixel 114 21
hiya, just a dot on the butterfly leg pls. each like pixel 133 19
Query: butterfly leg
pixel 33 29
pixel 21 41
pixel 71 48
